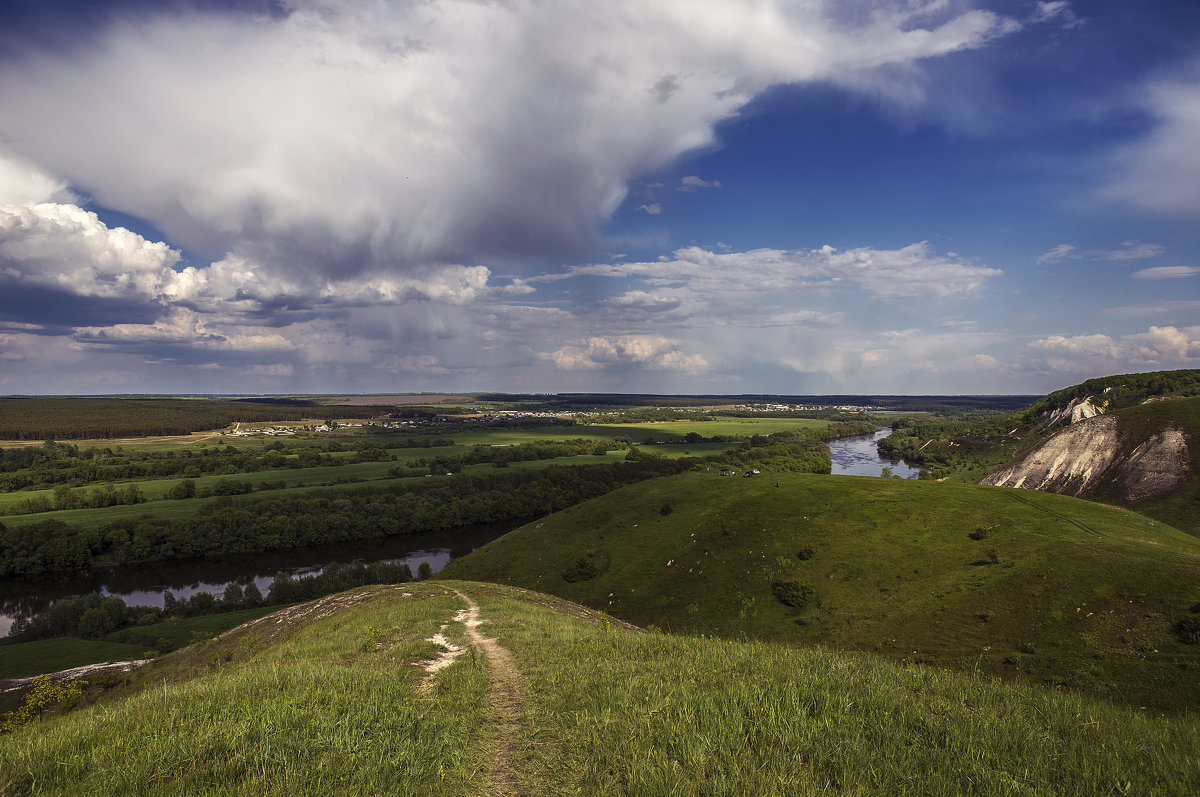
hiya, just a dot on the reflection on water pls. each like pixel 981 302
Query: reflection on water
pixel 857 456
pixel 144 585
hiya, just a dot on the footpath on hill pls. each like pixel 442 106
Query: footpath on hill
pixel 505 703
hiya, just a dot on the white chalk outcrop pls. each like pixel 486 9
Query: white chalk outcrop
pixel 1089 456
pixel 1078 410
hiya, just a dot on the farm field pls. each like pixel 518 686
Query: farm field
pixel 668 437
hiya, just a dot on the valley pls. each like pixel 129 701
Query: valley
pixel 878 612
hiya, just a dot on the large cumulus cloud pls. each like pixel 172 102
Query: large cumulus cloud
pixel 346 137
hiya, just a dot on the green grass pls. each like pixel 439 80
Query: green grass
pixel 317 711
pixel 26 659
pixel 178 633
pixel 612 712
pixel 1081 595
pixel 331 705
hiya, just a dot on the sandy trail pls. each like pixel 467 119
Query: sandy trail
pixel 505 702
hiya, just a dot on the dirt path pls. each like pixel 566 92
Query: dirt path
pixel 505 701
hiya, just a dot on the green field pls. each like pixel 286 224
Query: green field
pixel 324 703
pixel 1058 591
pixel 667 434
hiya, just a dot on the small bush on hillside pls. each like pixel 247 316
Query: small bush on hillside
pixel 1188 630
pixel 586 567
pixel 666 509
pixel 805 553
pixel 792 593
pixel 980 533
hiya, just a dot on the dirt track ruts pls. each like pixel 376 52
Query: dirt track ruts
pixel 505 703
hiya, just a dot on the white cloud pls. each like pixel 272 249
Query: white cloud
pixel 692 183
pixel 1056 10
pixel 1058 253
pixel 1158 348
pixel 1161 173
pixel 363 138
pixel 644 352
pixel 653 209
pixel 23 183
pixel 911 272
pixel 1129 250
pixel 69 248
pixel 1166 272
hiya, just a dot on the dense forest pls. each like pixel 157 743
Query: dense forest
pixel 102 418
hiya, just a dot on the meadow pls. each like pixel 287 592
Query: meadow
pixel 335 697
pixel 1013 583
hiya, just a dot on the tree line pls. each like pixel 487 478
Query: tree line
pixel 96 615
pixel 270 523
pixel 379 510
pixel 48 418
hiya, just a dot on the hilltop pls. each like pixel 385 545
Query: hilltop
pixel 1015 583
pixel 460 688
pixel 1127 440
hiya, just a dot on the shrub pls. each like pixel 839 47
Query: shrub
pixel 1188 630
pixel 805 553
pixel 44 696
pixel 792 593
pixel 980 533
pixel 666 509
pixel 586 567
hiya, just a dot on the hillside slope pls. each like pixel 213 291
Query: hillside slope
pixel 1143 457
pixel 1010 582
pixel 339 697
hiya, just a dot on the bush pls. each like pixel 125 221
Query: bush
pixel 805 553
pixel 1188 630
pixel 586 567
pixel 792 593
pixel 980 533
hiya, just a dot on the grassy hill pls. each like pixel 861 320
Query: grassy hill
pixel 1143 406
pixel 1013 583
pixel 1182 507
pixel 332 697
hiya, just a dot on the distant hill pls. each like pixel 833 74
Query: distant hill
pixel 1129 439
pixel 457 688
pixel 1013 583
pixel 1144 457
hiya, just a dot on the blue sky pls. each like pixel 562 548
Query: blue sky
pixel 921 196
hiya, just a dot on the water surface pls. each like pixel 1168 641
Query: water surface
pixel 857 456
pixel 145 584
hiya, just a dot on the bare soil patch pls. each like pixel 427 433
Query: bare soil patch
pixel 506 701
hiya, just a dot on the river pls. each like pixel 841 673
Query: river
pixel 144 585
pixel 857 456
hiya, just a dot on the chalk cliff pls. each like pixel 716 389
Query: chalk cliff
pixel 1091 457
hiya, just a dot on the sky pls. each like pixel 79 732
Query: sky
pixel 639 196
